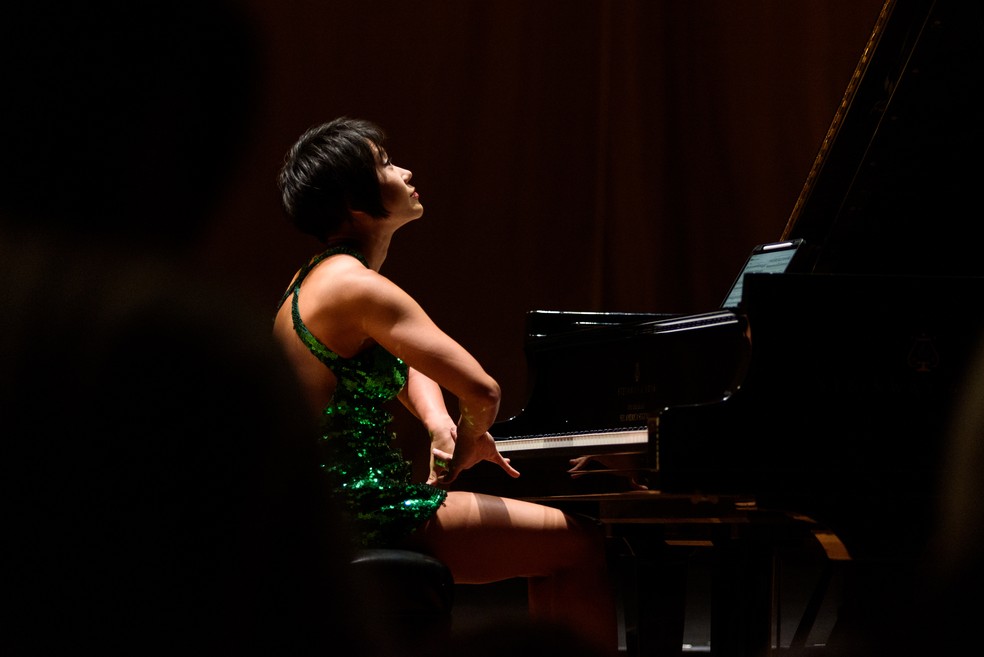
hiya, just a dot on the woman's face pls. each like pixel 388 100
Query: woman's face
pixel 399 197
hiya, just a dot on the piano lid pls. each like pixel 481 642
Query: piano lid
pixel 894 187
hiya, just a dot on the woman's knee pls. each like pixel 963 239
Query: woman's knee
pixel 588 538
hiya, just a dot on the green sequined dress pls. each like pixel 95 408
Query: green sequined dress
pixel 366 472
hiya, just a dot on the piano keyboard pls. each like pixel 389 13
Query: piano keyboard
pixel 589 440
pixel 691 322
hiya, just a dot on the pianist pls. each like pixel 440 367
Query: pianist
pixel 356 340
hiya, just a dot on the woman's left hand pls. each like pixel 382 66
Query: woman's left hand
pixel 466 454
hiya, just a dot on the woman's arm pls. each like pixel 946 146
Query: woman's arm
pixel 396 321
pixel 425 399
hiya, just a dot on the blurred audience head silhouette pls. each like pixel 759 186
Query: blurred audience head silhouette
pixel 123 118
pixel 160 487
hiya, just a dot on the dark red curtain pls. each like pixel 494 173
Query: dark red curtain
pixel 571 154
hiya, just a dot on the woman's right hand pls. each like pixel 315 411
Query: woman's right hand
pixel 442 442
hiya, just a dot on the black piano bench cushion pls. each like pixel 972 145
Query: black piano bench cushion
pixel 404 582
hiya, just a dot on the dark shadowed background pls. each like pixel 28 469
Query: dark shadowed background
pixel 571 154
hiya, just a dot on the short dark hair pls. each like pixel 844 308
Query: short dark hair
pixel 330 171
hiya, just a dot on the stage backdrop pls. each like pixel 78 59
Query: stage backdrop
pixel 606 155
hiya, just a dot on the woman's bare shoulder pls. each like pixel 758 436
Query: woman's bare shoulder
pixel 344 277
pixel 343 289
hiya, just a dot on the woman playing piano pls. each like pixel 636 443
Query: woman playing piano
pixel 357 340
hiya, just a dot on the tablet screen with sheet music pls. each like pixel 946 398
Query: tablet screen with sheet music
pixel 773 258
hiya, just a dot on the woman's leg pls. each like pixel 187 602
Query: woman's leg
pixel 485 539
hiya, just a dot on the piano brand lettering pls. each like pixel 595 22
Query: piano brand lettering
pixel 644 389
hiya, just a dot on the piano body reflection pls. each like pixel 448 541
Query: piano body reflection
pixel 829 393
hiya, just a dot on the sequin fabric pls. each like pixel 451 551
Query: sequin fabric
pixel 366 472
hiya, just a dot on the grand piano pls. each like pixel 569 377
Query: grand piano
pixel 828 394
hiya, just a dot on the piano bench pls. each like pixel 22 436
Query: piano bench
pixel 409 594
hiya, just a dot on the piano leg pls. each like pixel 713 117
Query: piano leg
pixel 652 582
pixel 743 602
pixel 742 598
pixel 654 591
pixel 658 542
